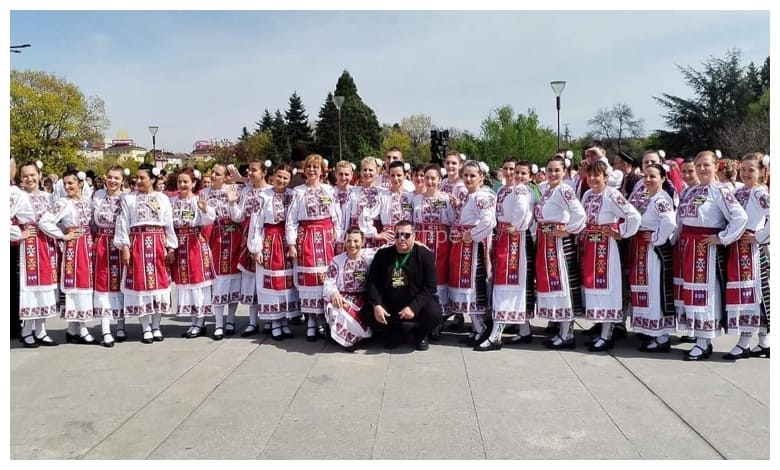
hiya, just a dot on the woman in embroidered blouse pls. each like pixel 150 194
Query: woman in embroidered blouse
pixel 708 216
pixel 69 220
pixel 747 292
pixel 363 206
pixel 146 241
pixel 397 204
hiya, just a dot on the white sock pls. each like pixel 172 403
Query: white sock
pixel 144 321
pixel 763 337
pixel 702 344
pixel 285 326
pixel 83 331
pixel 200 322
pixel 495 334
pixel 311 322
pixel 156 321
pixel 105 325
pixel 252 315
pixel 663 339
pixel 219 316
pixel 40 328
pixel 120 324
pixel 744 340
pixel 606 330
pixel 478 324
pixel 27 327
pixel 232 313
pixel 564 329
pixel 525 328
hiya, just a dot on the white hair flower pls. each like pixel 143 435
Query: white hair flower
pixel 483 167
pixel 326 162
pixel 463 157
pixel 665 167
pixel 82 176
pixel 407 167
pixel 662 154
pixel 765 160
pixel 569 154
pixel 534 168
pixel 197 174
pixel 443 171
pixel 156 171
pixel 38 164
pixel 354 167
pixel 267 163
pixel 295 171
pixel 718 154
pixel 567 163
pixel 378 161
pixel 127 171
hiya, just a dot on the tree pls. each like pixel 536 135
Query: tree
pixel 504 135
pixel 613 124
pixel 265 122
pixel 723 92
pixel 361 134
pixel 281 139
pixel 401 140
pixel 298 130
pixel 50 117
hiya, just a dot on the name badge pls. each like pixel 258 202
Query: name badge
pixel 440 204
pixel 359 275
pixel 188 214
pixel 700 200
pixel 406 207
pixel 595 237
pixel 548 229
pixel 399 280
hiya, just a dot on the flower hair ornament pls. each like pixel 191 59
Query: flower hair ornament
pixel 81 175
pixel 463 157
pixel 127 171
pixel 38 164
pixel 662 154
pixel 156 171
pixel 483 167
pixel 665 167
pixel 326 162
pixel 718 154
pixel 443 172
pixel 534 168
pixel 354 167
pixel 197 174
pixel 378 161
pixel 267 163
pixel 765 160
pixel 295 171
pixel 407 167
pixel 721 165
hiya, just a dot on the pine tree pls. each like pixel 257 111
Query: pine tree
pixel 280 138
pixel 266 122
pixel 298 129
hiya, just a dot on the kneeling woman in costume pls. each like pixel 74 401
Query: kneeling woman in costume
pixel 345 286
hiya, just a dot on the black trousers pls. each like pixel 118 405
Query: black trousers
pixel 16 324
pixel 424 321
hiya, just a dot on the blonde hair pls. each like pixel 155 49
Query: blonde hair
pixel 315 159
pixel 368 161
pixel 344 164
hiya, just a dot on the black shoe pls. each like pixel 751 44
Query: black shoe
pixel 230 329
pixel 520 339
pixel 565 344
pixel 435 334
pixel 267 328
pixel 422 345
pixel 120 338
pixel 311 334
pixel 195 332
pixel 348 349
pixel 78 339
pixel 743 354
pixel 687 339
pixel 148 340
pixel 322 331
pixel 218 334
pixel 46 341
pixel 157 334
pixel 107 344
pixel 470 340
pixel 760 352
pixel 287 332
pixel 276 334
pixel 32 345
pixel 601 344
pixel 655 347
pixel 250 330
pixel 457 323
pixel 645 338
pixel 704 355
pixel 490 346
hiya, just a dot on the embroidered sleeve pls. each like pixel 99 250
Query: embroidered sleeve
pixel 734 213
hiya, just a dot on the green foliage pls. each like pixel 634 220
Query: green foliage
pixel 297 122
pixel 49 119
pixel 397 138
pixel 505 135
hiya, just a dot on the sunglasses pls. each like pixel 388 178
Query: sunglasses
pixel 403 235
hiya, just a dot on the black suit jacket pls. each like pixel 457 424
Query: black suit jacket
pixel 420 272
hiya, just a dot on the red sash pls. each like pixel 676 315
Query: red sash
pixel 108 267
pixel 315 250
pixel 277 267
pixel 638 274
pixel 507 256
pixel 40 261
pixel 193 264
pixel 595 256
pixel 548 265
pixel 437 238
pixel 739 271
pixel 147 270
pixel 462 259
pixel 225 243
pixel 77 267
pixel 694 264
pixel 245 260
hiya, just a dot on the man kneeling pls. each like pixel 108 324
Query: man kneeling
pixel 401 288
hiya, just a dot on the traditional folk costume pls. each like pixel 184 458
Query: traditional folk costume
pixel 277 297
pixel 395 207
pixel 706 210
pixel 77 273
pixel 193 266
pixel 432 218
pixel 313 225
pixel 22 215
pixel 145 225
pixel 457 189
pixel 225 243
pixel 469 277
pixel 676 259
pixel 650 271
pixel 342 196
pixel 557 273
pixel 747 289
pixel 251 201
pixel 362 209
pixel 513 264
pixel 107 298
pixel 347 277
pixel 384 182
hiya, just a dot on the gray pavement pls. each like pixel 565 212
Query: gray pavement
pixel 254 398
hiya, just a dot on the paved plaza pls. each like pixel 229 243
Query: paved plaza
pixel 255 398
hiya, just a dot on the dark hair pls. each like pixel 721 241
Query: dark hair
pixel 525 163
pixel 510 160
pixel 396 164
pixel 243 169
pixel 597 168
pixel 355 229
pixel 556 158
pixel 118 168
pixel 148 169
pixel 667 185
pixel 432 166
pixel 282 167
pixel 419 168
pixel 184 171
pixel 74 173
pixel 404 223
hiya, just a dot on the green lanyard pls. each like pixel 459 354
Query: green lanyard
pixel 402 263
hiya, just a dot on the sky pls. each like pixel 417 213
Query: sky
pixel 202 75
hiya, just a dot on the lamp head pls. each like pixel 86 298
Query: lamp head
pixel 558 86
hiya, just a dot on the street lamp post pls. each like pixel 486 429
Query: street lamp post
pixel 558 86
pixel 339 101
pixel 153 131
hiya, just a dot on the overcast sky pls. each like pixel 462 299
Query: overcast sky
pixel 200 75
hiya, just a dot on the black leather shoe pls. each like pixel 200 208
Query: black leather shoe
pixel 435 334
pixel 744 353
pixel 267 328
pixel 107 344
pixel 311 334
pixel 761 352
pixel 250 330
pixel 457 323
pixel 422 345
pixel 276 334
pixel 157 334
pixel 45 341
pixel 218 334
pixel 78 339
pixel 490 346
pixel 520 339
pixel 230 329
pixel 601 344
pixel 196 332
pixel 704 355
pixel 567 344
pixel 687 339
pixel 287 332
pixel 32 344
pixel 120 338
pixel 654 347
pixel 322 331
